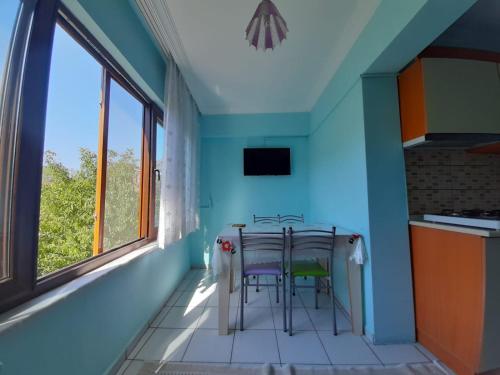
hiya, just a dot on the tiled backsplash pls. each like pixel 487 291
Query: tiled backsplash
pixel 440 179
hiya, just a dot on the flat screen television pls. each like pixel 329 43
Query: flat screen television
pixel 266 161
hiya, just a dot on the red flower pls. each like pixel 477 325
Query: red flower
pixel 227 246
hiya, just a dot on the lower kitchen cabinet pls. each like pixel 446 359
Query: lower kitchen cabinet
pixel 457 297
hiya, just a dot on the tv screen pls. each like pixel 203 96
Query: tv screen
pixel 266 161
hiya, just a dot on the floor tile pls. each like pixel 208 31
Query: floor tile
pixel 188 284
pixel 256 318
pixel 297 302
pixel 205 284
pixel 207 346
pixel 258 299
pixel 181 317
pixel 444 368
pixel 123 367
pixel 304 347
pixel 193 299
pixel 304 281
pixel 188 332
pixel 307 297
pixel 173 298
pixel 272 295
pixel 161 315
pixel 165 345
pixel 210 318
pixel 347 349
pixel 140 343
pixel 213 300
pixel 197 273
pixel 323 320
pixel 395 354
pixel 426 352
pixel 133 367
pixel 308 368
pixel 255 347
pixel 301 321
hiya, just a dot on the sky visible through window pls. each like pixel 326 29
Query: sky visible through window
pixel 8 10
pixel 72 120
pixel 75 84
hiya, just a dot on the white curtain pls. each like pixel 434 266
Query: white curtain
pixel 179 205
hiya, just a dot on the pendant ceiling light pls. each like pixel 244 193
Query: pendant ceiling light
pixel 267 28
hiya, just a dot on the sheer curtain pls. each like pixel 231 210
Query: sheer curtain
pixel 179 203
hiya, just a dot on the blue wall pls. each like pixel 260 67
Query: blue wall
pixel 338 183
pixel 229 197
pixel 117 26
pixel 389 19
pixel 357 181
pixel 390 264
pixel 87 332
pixel 256 125
pixel 361 116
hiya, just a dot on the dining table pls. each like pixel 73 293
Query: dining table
pixel 348 248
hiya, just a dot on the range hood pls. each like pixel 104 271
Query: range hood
pixel 453 140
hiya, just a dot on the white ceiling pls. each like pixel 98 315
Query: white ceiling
pixel 226 75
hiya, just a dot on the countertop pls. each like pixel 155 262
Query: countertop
pixel 456 228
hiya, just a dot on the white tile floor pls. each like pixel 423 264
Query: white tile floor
pixel 186 331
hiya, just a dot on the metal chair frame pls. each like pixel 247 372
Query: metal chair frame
pixel 262 241
pixel 312 240
pixel 266 219
pixel 291 218
pixel 275 220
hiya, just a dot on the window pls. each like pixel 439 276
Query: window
pixel 83 178
pixel 8 16
pixel 122 213
pixel 67 203
pixel 159 147
pixel 93 172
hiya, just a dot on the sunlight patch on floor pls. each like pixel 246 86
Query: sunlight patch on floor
pixel 200 295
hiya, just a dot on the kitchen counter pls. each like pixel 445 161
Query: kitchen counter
pixel 456 228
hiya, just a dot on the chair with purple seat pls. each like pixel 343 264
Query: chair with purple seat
pixel 262 254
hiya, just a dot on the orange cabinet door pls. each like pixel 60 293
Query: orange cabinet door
pixel 412 102
pixel 448 272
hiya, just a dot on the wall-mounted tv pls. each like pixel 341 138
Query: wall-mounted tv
pixel 266 161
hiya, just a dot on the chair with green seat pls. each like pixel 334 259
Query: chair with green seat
pixel 313 243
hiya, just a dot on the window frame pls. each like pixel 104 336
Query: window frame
pixel 102 165
pixel 157 117
pixel 29 157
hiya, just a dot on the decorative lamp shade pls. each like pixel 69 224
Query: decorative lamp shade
pixel 267 28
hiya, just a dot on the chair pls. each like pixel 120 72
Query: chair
pixel 319 244
pixel 291 218
pixel 266 219
pixel 270 246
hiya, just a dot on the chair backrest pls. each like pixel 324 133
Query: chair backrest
pixel 272 243
pixel 266 219
pixel 316 240
pixel 291 218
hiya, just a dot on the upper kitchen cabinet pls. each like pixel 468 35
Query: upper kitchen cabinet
pixel 441 99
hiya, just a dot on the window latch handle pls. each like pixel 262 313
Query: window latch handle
pixel 158 174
